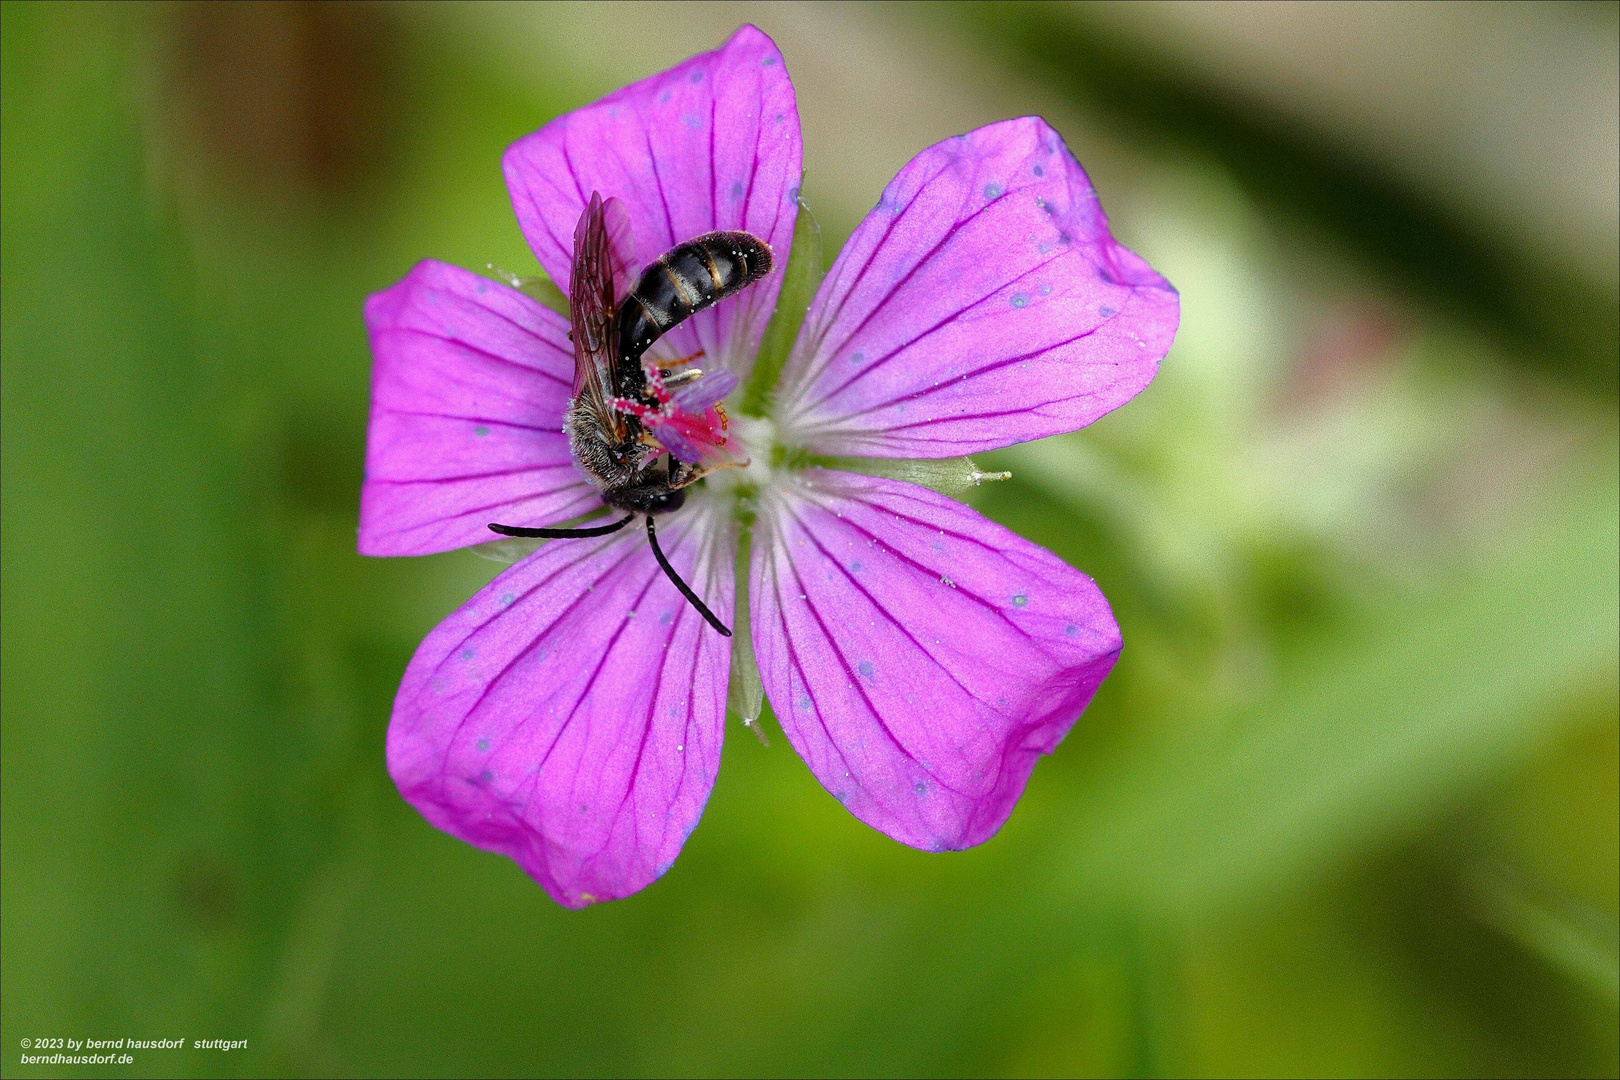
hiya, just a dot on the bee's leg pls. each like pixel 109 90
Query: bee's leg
pixel 685 589
pixel 687 475
pixel 681 473
pixel 599 530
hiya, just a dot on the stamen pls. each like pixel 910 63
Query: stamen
pixel 600 530
pixel 681 378
pixel 665 365
pixel 686 590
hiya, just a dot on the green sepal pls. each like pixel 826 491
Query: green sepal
pixel 799 282
pixel 745 695
pixel 539 287
pixel 948 476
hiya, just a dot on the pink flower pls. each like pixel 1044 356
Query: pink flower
pixel 919 657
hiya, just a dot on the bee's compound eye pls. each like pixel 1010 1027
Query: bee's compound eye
pixel 667 502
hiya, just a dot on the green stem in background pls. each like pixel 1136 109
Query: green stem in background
pixel 539 287
pixel 799 282
pixel 309 956
pixel 1146 999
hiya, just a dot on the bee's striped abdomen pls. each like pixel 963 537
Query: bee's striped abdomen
pixel 685 280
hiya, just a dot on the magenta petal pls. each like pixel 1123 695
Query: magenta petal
pixel 709 144
pixel 675 441
pixel 708 389
pixel 919 657
pixel 569 715
pixel 981 303
pixel 468 386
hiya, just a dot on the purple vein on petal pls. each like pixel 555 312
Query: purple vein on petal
pixel 896 286
pixel 877 541
pixel 911 304
pixel 486 420
pixel 795 664
pixel 950 317
pixel 814 345
pixel 491 683
pixel 890 618
pixel 928 391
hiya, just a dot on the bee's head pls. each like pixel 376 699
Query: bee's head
pixel 651 497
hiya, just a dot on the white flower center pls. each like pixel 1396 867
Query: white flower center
pixel 754 437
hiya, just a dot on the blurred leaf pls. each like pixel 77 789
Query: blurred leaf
pixel 143 864
pixel 1364 740
pixel 1575 940
pixel 1555 319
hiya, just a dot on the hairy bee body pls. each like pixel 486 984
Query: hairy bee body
pixel 624 413
pixel 615 464
pixel 683 281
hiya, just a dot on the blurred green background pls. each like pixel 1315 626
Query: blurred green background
pixel 1347 805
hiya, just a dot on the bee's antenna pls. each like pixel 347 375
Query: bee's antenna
pixel 686 590
pixel 600 530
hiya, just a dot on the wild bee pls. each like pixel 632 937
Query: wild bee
pixel 640 435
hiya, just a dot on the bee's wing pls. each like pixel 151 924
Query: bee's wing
pixel 621 248
pixel 591 306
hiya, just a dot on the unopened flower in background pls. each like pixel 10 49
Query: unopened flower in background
pixel 919 657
